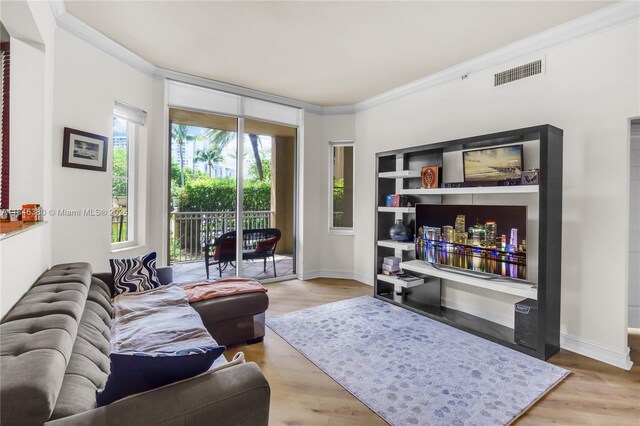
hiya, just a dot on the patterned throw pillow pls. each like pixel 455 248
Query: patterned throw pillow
pixel 134 275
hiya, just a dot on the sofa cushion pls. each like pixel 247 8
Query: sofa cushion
pixel 135 274
pixel 265 246
pixel 58 291
pixel 225 249
pixel 137 372
pixel 36 342
pixel 89 365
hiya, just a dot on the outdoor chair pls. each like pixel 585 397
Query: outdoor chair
pixel 256 244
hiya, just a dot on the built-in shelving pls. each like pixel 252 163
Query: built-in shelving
pixel 400 174
pixel 400 245
pixel 398 282
pixel 397 209
pixel 515 189
pixel 506 286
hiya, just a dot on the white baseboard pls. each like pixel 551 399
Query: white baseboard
pixel 620 359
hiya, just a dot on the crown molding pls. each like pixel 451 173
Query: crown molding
pixel 94 37
pixel 338 110
pixel 607 17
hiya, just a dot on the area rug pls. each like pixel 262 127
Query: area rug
pixel 412 370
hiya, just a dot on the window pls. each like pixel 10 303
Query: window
pixel 122 185
pixel 341 187
pixel 127 122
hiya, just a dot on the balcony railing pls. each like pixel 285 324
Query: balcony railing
pixel 119 227
pixel 190 231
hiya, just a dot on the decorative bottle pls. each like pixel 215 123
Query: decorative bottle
pixel 400 231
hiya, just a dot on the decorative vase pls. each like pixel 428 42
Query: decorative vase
pixel 400 231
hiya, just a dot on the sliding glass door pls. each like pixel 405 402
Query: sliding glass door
pixel 207 239
pixel 203 183
pixel 269 172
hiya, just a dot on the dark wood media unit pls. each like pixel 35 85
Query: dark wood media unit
pixel 398 172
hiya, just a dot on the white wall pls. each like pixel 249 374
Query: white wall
pixel 87 82
pixel 23 257
pixel 324 254
pixel 579 94
pixel 634 227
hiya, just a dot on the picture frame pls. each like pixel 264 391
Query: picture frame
pixel 84 150
pixel 430 177
pixel 500 164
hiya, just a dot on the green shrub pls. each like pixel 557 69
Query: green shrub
pixel 219 194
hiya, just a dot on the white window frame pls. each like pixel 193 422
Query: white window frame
pixel 132 169
pixel 335 230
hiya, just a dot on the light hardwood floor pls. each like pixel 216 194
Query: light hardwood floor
pixel 301 394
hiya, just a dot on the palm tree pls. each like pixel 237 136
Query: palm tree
pixel 179 134
pixel 256 154
pixel 210 157
pixel 222 138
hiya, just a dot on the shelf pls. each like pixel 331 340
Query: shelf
pixel 18 228
pixel 516 189
pixel 458 319
pixel 398 282
pixel 502 286
pixel 397 209
pixel 400 174
pixel 400 245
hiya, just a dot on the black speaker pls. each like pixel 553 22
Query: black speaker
pixel 526 323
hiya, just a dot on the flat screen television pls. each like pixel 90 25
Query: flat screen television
pixel 479 238
pixel 493 164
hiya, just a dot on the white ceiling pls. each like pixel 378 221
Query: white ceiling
pixel 326 53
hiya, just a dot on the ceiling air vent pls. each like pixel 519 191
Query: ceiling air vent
pixel 518 73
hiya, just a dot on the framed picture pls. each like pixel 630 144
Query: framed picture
pixel 493 164
pixel 430 177
pixel 84 150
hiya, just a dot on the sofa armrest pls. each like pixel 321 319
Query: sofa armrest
pixel 236 395
pixel 165 274
pixel 107 277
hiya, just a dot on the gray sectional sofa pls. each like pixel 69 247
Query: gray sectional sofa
pixel 54 354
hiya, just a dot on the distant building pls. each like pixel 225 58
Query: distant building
pixel 448 233
pixel 514 237
pixel 491 229
pixel 119 140
pixel 460 235
pixel 478 235
pixel 434 234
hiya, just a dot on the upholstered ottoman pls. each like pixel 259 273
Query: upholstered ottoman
pixel 234 319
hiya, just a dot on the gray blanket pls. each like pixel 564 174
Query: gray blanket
pixel 160 320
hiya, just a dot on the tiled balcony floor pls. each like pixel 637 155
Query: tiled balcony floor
pixel 194 272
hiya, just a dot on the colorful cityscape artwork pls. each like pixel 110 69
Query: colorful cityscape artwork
pixel 480 238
